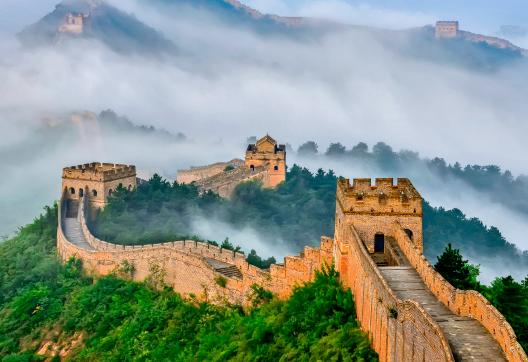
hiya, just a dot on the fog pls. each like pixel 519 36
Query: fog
pixel 226 84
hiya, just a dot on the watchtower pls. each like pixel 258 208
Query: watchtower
pixel 374 209
pixel 97 181
pixel 268 154
pixel 73 24
pixel 446 29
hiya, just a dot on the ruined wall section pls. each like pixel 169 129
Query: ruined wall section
pixel 463 303
pixel 398 330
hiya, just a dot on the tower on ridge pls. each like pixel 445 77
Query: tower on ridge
pixel 446 29
pixel 268 154
pixel 374 209
pixel 97 181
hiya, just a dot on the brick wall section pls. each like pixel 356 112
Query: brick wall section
pixel 464 303
pixel 398 330
pixel 185 266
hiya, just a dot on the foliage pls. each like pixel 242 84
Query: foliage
pixel 160 211
pixel 221 281
pixel 456 270
pixel 257 261
pixel 123 320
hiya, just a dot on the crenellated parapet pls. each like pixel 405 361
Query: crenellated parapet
pixel 97 181
pixel 373 207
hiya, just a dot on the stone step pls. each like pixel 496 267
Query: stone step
pixel 230 271
pixel 468 339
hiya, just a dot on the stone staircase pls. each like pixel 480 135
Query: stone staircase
pixel 380 259
pixel 468 339
pixel 72 227
pixel 228 270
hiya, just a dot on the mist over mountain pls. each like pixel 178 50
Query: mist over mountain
pixel 118 30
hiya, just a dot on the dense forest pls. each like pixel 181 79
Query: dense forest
pixel 297 212
pixel 51 307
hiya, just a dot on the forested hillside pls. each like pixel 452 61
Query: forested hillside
pixel 51 308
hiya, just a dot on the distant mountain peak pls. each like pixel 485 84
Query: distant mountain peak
pixel 96 19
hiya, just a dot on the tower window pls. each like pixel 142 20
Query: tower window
pixel 94 193
pixel 72 191
pixel 110 192
pixel 81 192
pixel 276 168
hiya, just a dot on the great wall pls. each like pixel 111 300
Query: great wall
pixel 408 310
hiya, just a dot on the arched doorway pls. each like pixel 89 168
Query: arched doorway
pixel 379 243
pixel 409 233
pixel 252 168
pixel 81 192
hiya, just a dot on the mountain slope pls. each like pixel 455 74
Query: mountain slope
pixel 119 31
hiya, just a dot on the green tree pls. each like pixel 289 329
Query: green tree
pixel 457 271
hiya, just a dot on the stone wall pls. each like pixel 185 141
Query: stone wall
pixel 398 330
pixel 184 264
pixel 464 303
pixel 199 173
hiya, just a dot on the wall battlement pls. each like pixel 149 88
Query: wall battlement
pixel 98 171
pixel 97 180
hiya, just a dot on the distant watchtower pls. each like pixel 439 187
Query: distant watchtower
pixel 446 29
pixel 99 180
pixel 73 24
pixel 268 154
pixel 373 209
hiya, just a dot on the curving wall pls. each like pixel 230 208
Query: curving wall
pixel 186 264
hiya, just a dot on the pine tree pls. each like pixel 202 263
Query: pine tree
pixel 457 271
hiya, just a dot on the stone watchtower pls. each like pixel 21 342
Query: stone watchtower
pixel 374 209
pixel 73 24
pixel 446 29
pixel 267 154
pixel 98 180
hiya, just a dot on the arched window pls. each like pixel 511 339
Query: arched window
pixel 72 191
pixel 379 243
pixel 81 192
pixel 409 233
pixel 120 184
pixel 94 193
pixel 110 192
